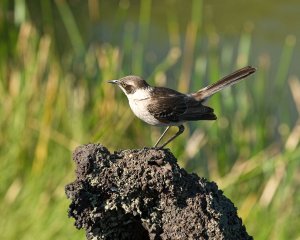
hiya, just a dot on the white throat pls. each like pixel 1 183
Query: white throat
pixel 139 94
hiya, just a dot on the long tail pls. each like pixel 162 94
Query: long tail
pixel 227 81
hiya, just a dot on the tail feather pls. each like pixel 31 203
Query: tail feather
pixel 227 81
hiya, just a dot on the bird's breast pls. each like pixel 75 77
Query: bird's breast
pixel 140 109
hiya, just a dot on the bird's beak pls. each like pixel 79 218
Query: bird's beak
pixel 114 81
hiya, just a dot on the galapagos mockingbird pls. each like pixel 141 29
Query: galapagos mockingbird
pixel 160 106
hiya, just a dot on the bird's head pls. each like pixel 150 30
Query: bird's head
pixel 130 84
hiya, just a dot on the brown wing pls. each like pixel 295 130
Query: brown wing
pixel 169 106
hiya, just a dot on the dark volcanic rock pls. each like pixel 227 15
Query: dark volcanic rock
pixel 144 194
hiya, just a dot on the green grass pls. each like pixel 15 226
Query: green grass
pixel 52 103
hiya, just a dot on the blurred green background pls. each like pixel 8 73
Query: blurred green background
pixel 55 59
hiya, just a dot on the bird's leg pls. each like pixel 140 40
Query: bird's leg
pixel 180 131
pixel 168 127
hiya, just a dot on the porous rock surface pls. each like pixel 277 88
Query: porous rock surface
pixel 144 194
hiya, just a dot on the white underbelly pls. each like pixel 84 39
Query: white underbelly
pixel 139 108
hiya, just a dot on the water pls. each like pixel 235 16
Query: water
pixel 107 21
pixel 271 22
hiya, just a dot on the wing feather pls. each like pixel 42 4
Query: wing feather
pixel 172 106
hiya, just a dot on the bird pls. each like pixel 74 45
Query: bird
pixel 165 107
